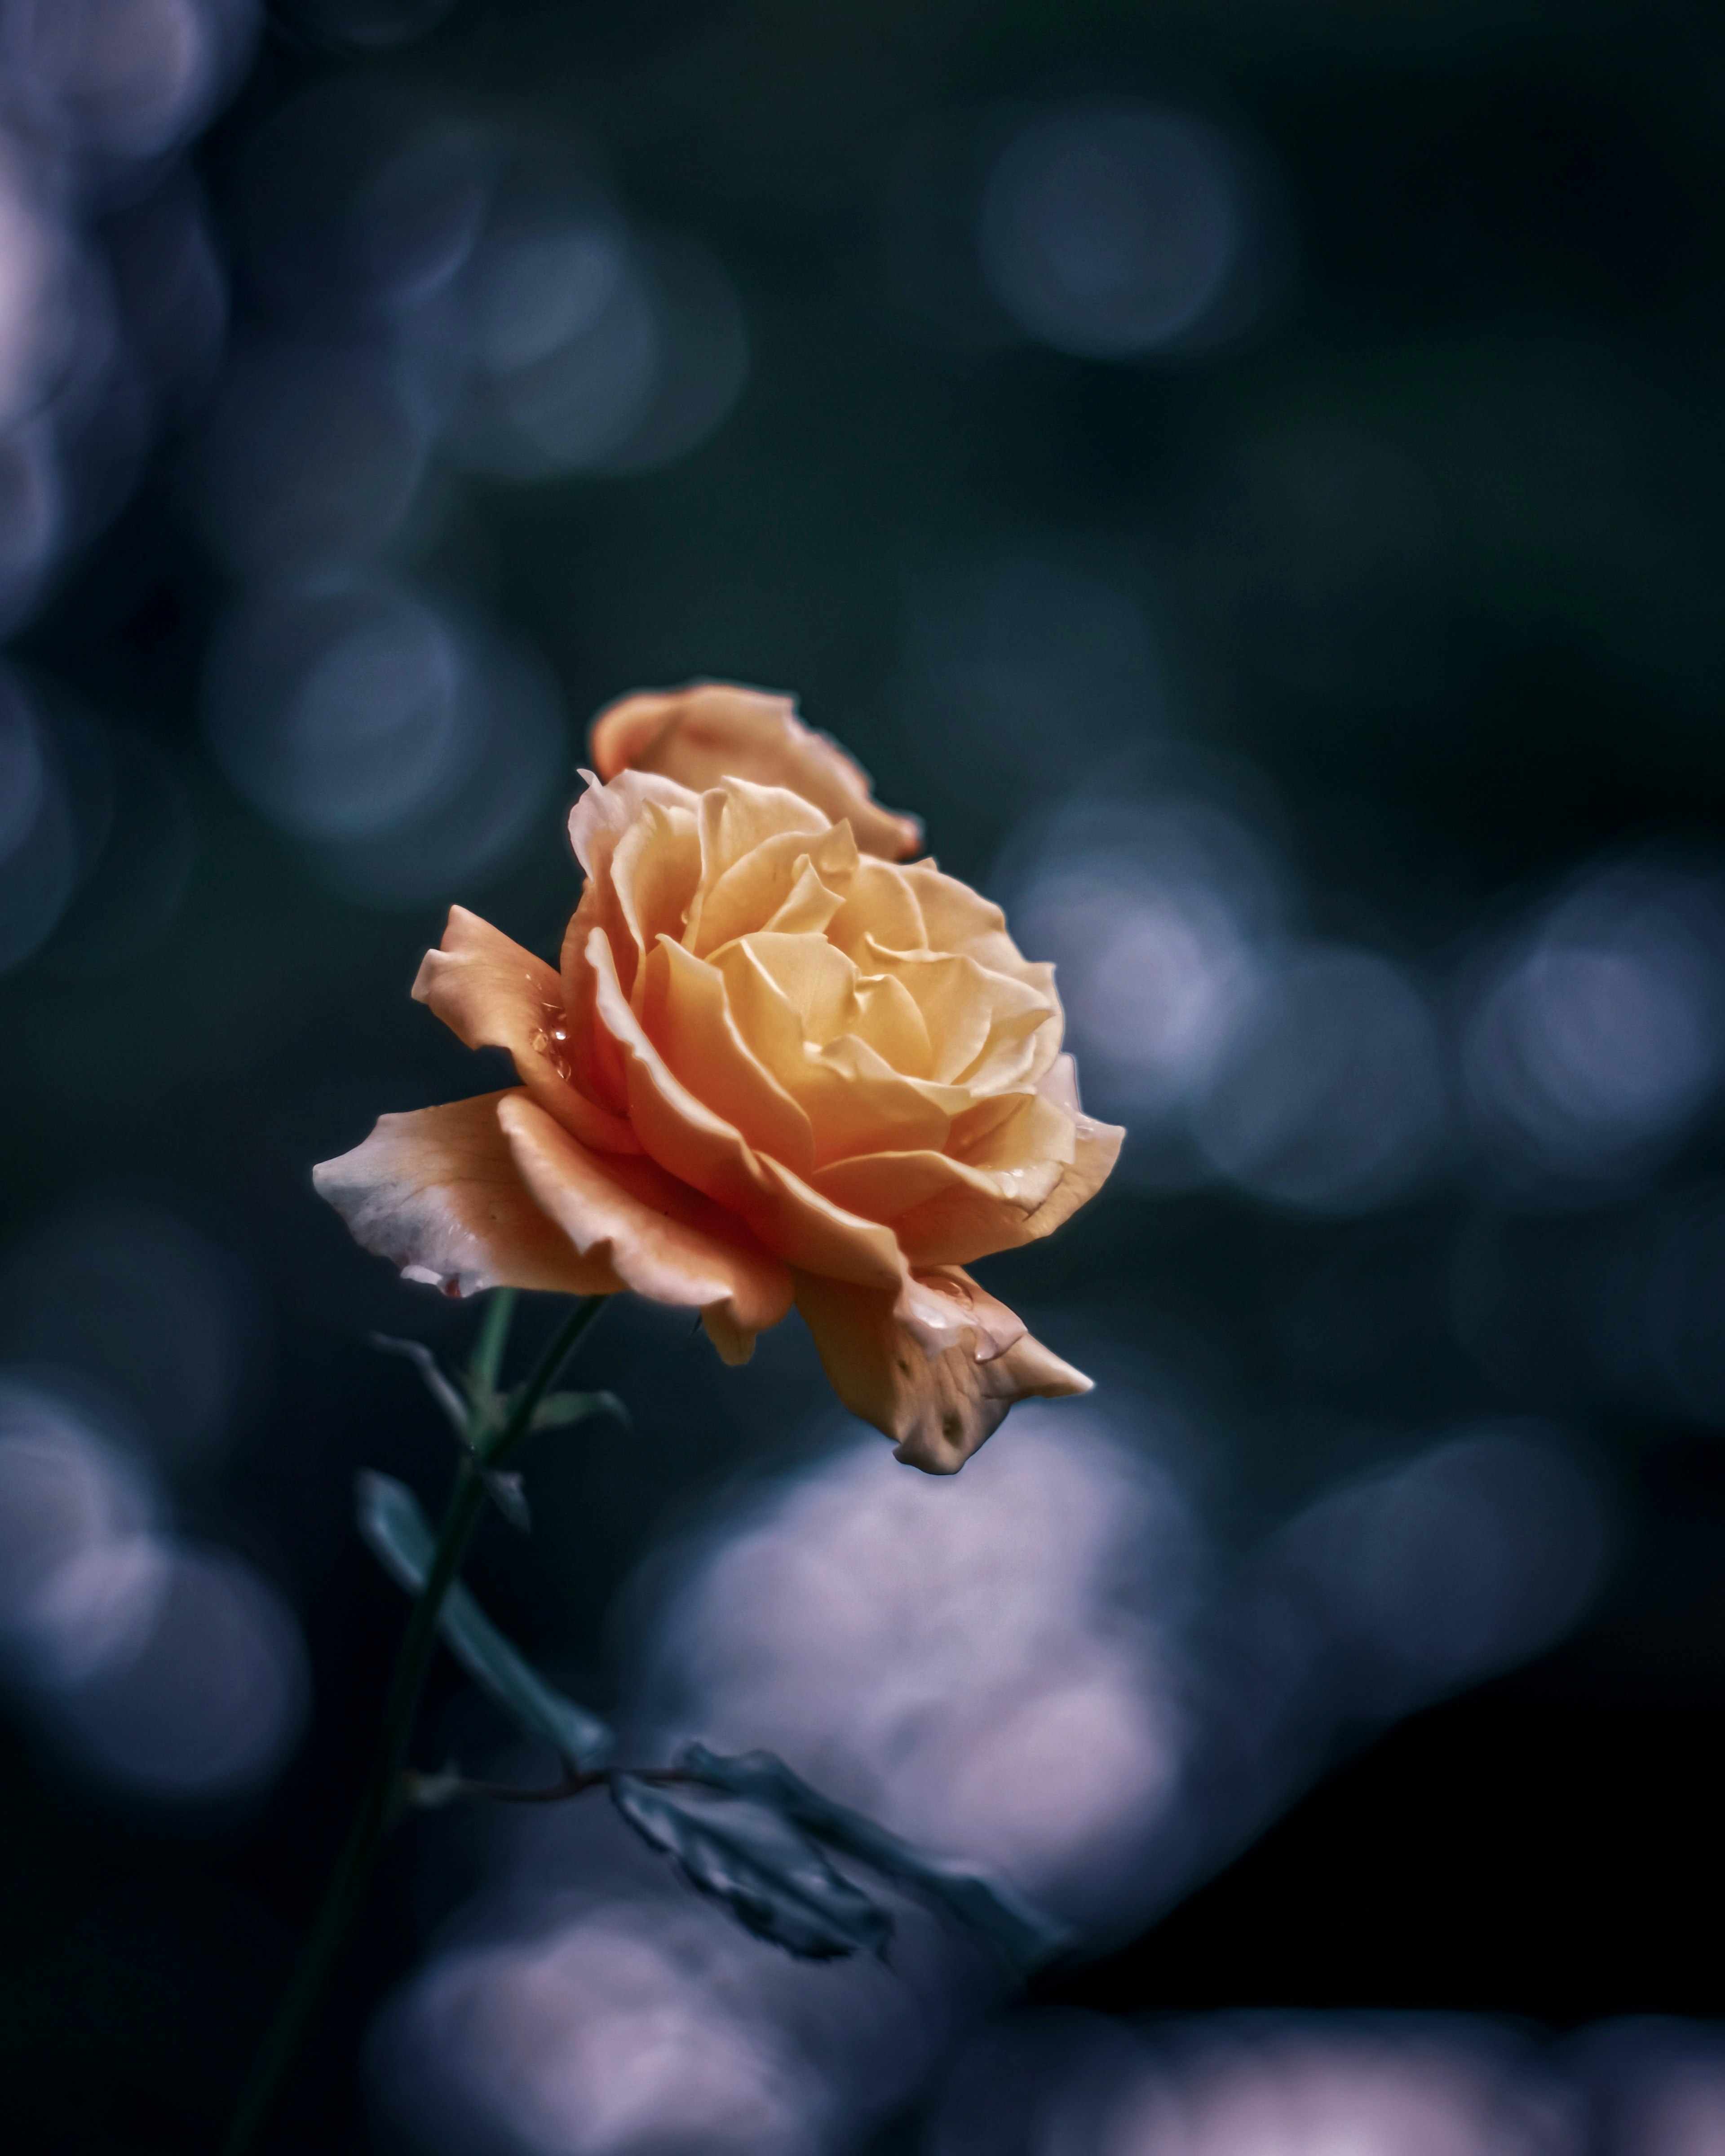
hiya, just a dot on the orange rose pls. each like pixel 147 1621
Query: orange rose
pixel 713 730
pixel 773 1066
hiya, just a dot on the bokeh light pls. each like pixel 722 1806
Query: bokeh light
pixel 211 1697
pixel 414 749
pixel 1331 1095
pixel 83 1569
pixel 123 81
pixel 1655 2086
pixel 309 456
pixel 933 1643
pixel 38 844
pixel 1257 2085
pixel 1476 1555
pixel 170 1669
pixel 129 1298
pixel 1597 1038
pixel 1062 1675
pixel 1113 230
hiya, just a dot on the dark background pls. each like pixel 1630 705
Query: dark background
pixel 1501 236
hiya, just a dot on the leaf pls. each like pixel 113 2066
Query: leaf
pixel 401 1538
pixel 1023 1938
pixel 510 1499
pixel 556 1410
pixel 749 1857
pixel 440 1386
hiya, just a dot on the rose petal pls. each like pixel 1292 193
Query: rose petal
pixel 599 823
pixel 790 995
pixel 1014 1189
pixel 687 1016
pixel 936 1407
pixel 656 1235
pixel 748 892
pixel 980 1023
pixel 437 1193
pixel 700 1147
pixel 881 905
pixel 957 918
pixel 492 993
pixel 656 875
pixel 714 730
pixel 953 1229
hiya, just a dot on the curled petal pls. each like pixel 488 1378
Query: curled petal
pixel 438 1194
pixel 653 1233
pixel 937 1367
pixel 714 730
pixel 698 1146
pixel 492 993
pixel 953 1225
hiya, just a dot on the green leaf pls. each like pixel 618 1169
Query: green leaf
pixel 505 1490
pixel 440 1386
pixel 750 1858
pixel 556 1410
pixel 1022 1937
pixel 400 1537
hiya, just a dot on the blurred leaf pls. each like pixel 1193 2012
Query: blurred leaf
pixel 558 1409
pixel 440 1388
pixel 430 1793
pixel 748 1856
pixel 510 1498
pixel 401 1537
pixel 1022 1937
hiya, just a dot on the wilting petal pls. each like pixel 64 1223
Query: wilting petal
pixel 438 1194
pixel 936 1407
pixel 714 730
pixel 492 993
pixel 653 1234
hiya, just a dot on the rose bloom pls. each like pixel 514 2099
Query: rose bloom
pixel 773 1065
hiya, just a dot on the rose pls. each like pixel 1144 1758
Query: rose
pixel 771 1066
pixel 714 730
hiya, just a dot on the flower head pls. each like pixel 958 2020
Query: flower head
pixel 774 1064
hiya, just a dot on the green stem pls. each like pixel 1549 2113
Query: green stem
pixel 482 1371
pixel 381 1801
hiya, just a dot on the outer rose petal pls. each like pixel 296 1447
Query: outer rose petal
pixel 714 730
pixel 437 1193
pixel 492 993
pixel 937 1408
pixel 951 1227
pixel 651 1233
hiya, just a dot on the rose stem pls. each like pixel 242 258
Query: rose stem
pixel 381 1802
